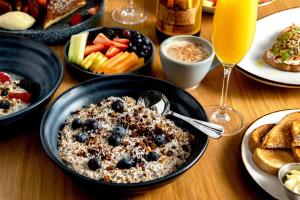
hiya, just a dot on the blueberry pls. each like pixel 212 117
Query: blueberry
pixel 4 92
pixel 152 156
pixel 119 130
pixel 126 33
pixel 118 106
pixel 114 140
pixel 110 34
pixel 94 164
pixel 81 137
pixel 91 124
pixel 76 123
pixel 138 41
pixel 133 49
pixel 146 42
pixel 146 47
pixel 159 140
pixel 142 54
pixel 125 163
pixel 4 104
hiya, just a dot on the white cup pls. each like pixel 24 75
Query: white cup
pixel 183 74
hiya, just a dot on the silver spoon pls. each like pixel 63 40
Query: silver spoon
pixel 158 101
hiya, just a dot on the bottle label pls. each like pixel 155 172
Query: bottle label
pixel 181 17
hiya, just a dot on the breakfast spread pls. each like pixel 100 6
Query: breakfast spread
pixel 21 15
pixel 292 181
pixel 117 140
pixel 186 51
pixel 110 52
pixel 14 93
pixel 285 52
pixel 274 145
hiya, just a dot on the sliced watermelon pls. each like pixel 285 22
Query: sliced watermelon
pixel 121 40
pixel 102 39
pixel 93 48
pixel 112 51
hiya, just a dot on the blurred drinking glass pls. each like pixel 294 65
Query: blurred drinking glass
pixel 133 13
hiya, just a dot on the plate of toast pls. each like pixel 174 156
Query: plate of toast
pixel 48 21
pixel 269 143
pixel 274 57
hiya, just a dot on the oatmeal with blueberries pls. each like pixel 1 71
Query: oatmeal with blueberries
pixel 15 93
pixel 117 140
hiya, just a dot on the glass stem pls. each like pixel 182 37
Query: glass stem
pixel 227 72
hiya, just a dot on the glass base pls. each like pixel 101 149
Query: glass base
pixel 128 16
pixel 231 119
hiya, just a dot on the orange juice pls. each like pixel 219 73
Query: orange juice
pixel 233 29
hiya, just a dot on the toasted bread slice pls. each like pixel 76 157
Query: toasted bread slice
pixel 271 160
pixel 296 153
pixel 59 9
pixel 280 137
pixel 295 129
pixel 257 136
pixel 281 66
pixel 283 54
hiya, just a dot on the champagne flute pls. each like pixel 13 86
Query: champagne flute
pixel 133 13
pixel 233 32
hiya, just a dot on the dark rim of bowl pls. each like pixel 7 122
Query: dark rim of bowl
pixel 66 49
pixel 44 98
pixel 120 185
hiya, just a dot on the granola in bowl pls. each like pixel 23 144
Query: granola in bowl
pixel 118 141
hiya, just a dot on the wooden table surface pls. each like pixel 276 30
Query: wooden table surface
pixel 27 173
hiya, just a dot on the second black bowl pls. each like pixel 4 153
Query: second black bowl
pixel 82 74
pixel 123 85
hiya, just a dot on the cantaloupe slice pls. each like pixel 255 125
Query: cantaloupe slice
pixel 103 66
pixel 115 61
pixel 141 62
pixel 124 65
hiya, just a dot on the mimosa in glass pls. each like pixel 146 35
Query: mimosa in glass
pixel 233 32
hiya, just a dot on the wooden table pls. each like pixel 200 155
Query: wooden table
pixel 27 173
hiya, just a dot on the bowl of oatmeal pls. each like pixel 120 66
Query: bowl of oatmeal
pixel 30 73
pixel 104 138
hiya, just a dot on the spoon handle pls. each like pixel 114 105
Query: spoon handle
pixel 210 129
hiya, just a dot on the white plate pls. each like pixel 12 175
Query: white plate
pixel 268 182
pixel 267 29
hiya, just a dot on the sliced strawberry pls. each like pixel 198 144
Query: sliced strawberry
pixel 23 96
pixel 121 40
pixel 102 39
pixel 43 3
pixel 120 45
pixel 93 48
pixel 4 77
pixel 93 10
pixel 112 51
pixel 75 19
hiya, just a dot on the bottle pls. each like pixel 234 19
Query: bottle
pixel 178 17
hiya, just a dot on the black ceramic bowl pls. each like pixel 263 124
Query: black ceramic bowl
pixel 82 74
pixel 119 85
pixel 34 61
pixel 61 31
